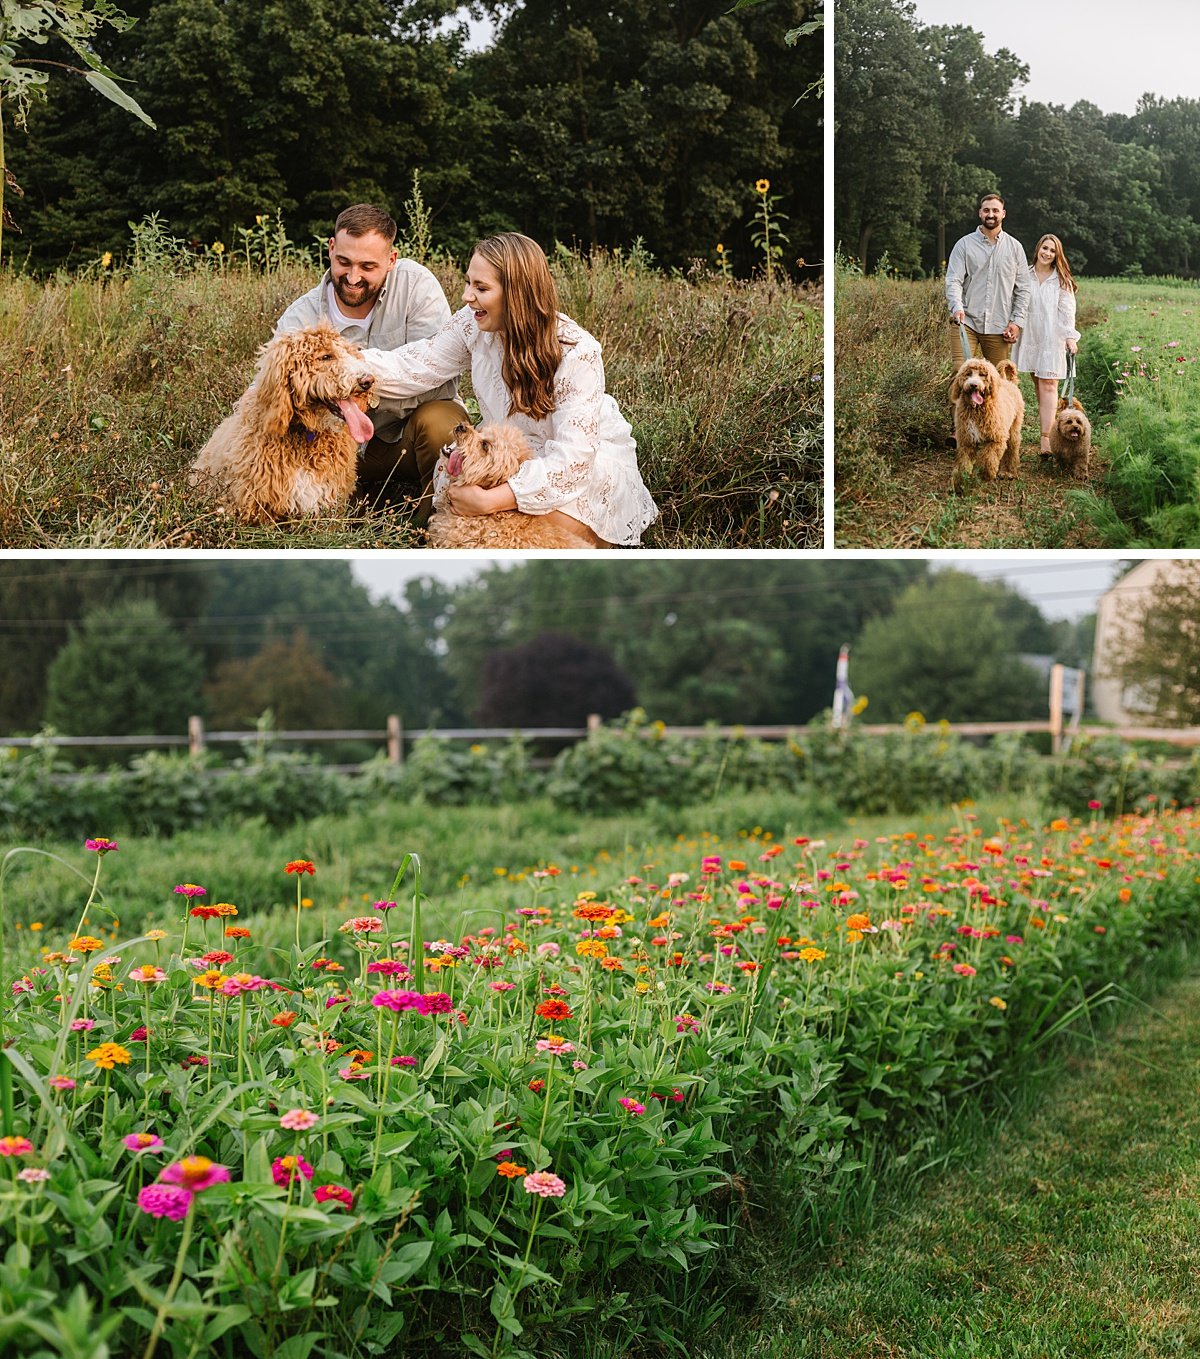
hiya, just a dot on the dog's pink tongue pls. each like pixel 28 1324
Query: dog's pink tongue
pixel 976 398
pixel 361 429
pixel 454 463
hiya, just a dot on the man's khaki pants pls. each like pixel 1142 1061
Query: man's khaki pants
pixel 994 348
pixel 414 455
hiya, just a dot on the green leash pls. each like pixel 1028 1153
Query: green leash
pixel 1070 392
pixel 966 344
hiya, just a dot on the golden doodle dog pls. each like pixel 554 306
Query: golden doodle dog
pixel 290 446
pixel 988 411
pixel 1071 438
pixel 487 457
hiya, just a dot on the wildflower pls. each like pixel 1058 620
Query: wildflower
pixel 543 1183
pixel 812 955
pixel 361 924
pixel 537 1086
pixel 553 1044
pixel 762 186
pixel 148 973
pixel 404 1060
pixel 510 1170
pixel 15 1146
pixel 108 1055
pixel 631 1107
pixel 225 909
pixel 435 1003
pixel 300 866
pixel 194 1060
pixel 101 845
pixel 383 906
pixel 85 943
pixel 236 932
pixel 397 1000
pixel 284 1019
pixel 156 934
pixel 218 247
pixel 299 1120
pixel 217 957
pixel 190 889
pixel 676 1096
pixel 140 1035
pixel 165 1200
pixel 964 969
pixel 139 1142
pixel 591 948
pixel 686 1023
pixel 998 1003
pixel 33 1175
pixel 390 967
pixel 195 1174
pixel 354 1072
pixel 204 912
pixel 285 1168
pixel 61 1083
pixel 241 982
pixel 212 980
pixel 325 1193
pixel 549 949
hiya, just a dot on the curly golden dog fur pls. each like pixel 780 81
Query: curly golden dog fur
pixel 290 446
pixel 1071 438
pixel 487 457
pixel 988 411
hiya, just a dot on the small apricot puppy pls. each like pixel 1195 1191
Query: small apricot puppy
pixel 1071 438
pixel 988 411
pixel 487 457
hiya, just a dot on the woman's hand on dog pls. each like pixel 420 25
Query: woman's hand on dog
pixel 473 500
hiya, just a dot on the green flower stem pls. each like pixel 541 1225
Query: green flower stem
pixel 545 1110
pixel 172 1287
pixel 537 1209
pixel 91 897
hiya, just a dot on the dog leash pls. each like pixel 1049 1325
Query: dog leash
pixel 1070 392
pixel 966 344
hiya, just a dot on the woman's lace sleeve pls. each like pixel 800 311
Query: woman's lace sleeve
pixel 424 364
pixel 562 471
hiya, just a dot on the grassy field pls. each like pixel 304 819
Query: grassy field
pixel 1139 380
pixel 111 381
pixel 642 1077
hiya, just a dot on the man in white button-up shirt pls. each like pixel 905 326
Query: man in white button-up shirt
pixel 375 298
pixel 987 285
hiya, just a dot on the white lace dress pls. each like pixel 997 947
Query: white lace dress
pixel 586 457
pixel 1042 346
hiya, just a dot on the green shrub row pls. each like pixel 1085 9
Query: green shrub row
pixel 616 769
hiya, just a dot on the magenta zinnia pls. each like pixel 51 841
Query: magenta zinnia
pixel 165 1200
pixel 336 1193
pixel 285 1168
pixel 195 1174
pixel 15 1146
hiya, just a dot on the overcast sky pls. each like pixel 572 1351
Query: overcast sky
pixel 1060 587
pixel 1109 52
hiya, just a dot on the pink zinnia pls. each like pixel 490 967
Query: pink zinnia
pixel 548 1186
pixel 435 1003
pixel 390 967
pixel 61 1083
pixel 240 982
pixel 383 905
pixel 82 1025
pixel 195 1174
pixel 189 889
pixel 632 1107
pixel 404 1061
pixel 398 1000
pixel 323 1193
pixel 361 924
pixel 298 1120
pixel 545 1045
pixel 165 1200
pixel 33 1175
pixel 285 1168
pixel 142 1142
pixel 140 1034
pixel 100 845
pixel 15 1146
pixel 148 973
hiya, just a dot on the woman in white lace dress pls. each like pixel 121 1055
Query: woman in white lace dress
pixel 1049 330
pixel 534 368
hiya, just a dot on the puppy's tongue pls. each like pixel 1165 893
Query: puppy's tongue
pixel 361 429
pixel 976 398
pixel 454 463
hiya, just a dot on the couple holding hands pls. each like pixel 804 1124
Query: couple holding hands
pixel 1000 300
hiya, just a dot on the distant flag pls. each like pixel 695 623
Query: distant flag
pixel 843 699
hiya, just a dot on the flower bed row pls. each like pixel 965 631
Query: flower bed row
pixel 224 1136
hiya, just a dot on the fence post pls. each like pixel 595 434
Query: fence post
pixel 594 722
pixel 395 739
pixel 1056 708
pixel 195 736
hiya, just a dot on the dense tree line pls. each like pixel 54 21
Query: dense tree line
pixel 589 125
pixel 107 647
pixel 927 120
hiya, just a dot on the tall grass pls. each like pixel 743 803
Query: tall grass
pixel 111 381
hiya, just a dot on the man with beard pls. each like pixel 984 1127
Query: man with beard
pixel 377 299
pixel 987 285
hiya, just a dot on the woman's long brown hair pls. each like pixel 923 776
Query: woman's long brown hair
pixel 532 349
pixel 1061 267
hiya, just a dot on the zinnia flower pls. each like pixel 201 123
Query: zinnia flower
pixel 190 889
pixel 554 1009
pixel 35 1174
pixel 165 1200
pixel 108 1055
pixel 543 1183
pixel 195 1174
pixel 285 1168
pixel 61 1083
pixel 510 1170
pixel 148 973
pixel 299 1120
pixel 284 1019
pixel 140 1142
pixel 632 1107
pixel 300 866
pixel 15 1146
pixel 86 943
pixel 324 1193
pixel 100 845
